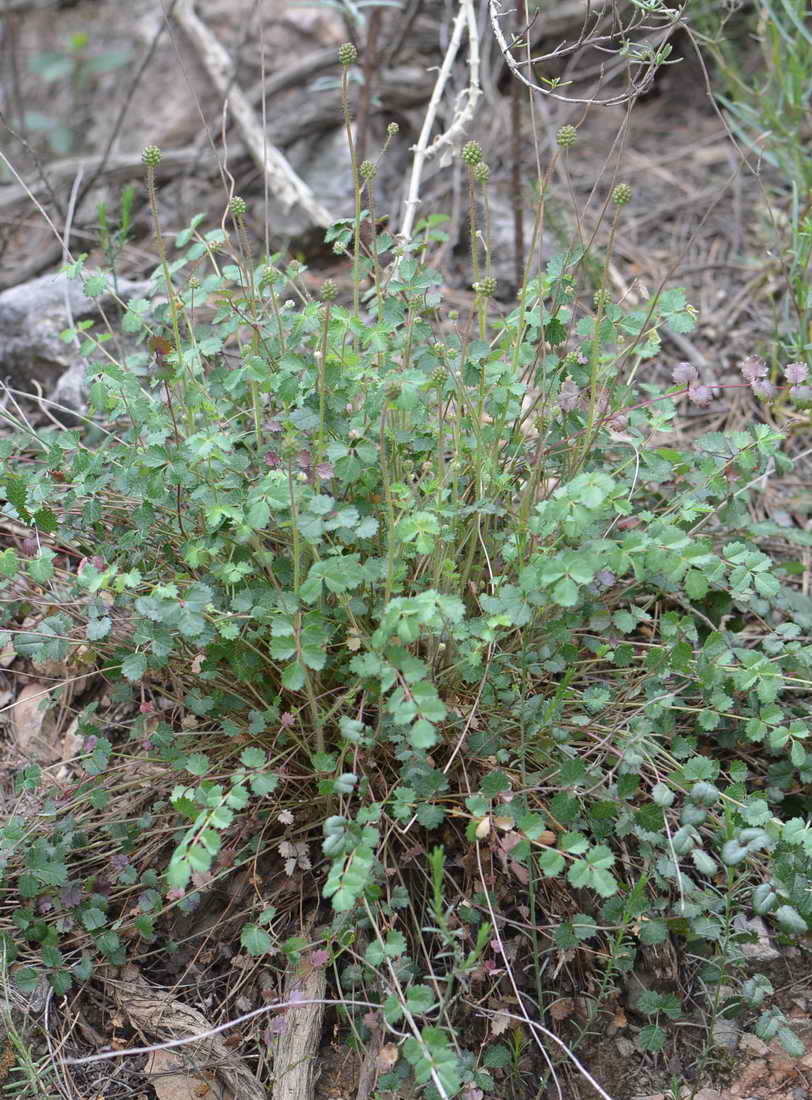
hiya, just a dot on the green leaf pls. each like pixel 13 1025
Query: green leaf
pixel 790 920
pixel 134 667
pixel 197 763
pixel 93 918
pixel 17 495
pixel 696 584
pixel 395 945
pixel 653 931
pixel 756 811
pixel 392 1010
pixel 9 562
pixel 97 629
pixel 565 593
pixel 792 1043
pixel 652 1038
pixel 253 757
pixel 258 515
pixel 41 568
pixel 551 863
pixel 428 702
pixel 374 954
pixel 494 783
pixel 423 735
pixel 255 940
pixel 662 795
pixel 429 815
pixel 293 678
pixel 26 979
pixel 594 871
pixel 419 999
pixel 433 1055
pixel 178 872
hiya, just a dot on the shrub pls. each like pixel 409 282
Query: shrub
pixel 427 591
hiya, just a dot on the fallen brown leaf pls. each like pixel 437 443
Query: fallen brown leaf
pixel 387 1056
pixel 34 725
pixel 561 1009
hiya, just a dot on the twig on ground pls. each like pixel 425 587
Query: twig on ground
pixel 288 188
pixel 649 63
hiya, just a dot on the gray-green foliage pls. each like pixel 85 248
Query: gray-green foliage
pixel 351 549
pixel 763 57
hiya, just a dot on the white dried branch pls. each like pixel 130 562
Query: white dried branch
pixel 650 65
pixel 463 113
pixel 287 187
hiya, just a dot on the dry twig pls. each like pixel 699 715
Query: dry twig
pixel 287 187
pixel 464 113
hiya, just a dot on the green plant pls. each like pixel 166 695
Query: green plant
pixel 767 107
pixel 22 1072
pixel 371 579
pixel 74 66
pixel 113 240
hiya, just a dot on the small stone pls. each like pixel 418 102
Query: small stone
pixel 725 1034
pixel 762 950
pixel 753 1044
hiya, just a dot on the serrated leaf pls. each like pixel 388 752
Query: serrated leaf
pixel 565 593
pixel 293 678
pixel 790 920
pixel 429 815
pixel 652 1038
pixel 392 1010
pixel 419 999
pixel 395 944
pixel 252 757
pixel 93 918
pixel 9 562
pixel 551 863
pixel 197 763
pixel 41 568
pixel 696 584
pixel 255 940
pixel 97 629
pixel 423 735
pixel 134 667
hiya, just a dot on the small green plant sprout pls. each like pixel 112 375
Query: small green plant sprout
pixel 74 66
pixel 113 239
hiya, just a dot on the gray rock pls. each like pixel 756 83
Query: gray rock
pixel 32 317
pixel 762 950
pixel 725 1034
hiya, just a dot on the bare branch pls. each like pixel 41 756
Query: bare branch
pixel 287 187
pixel 649 56
pixel 464 111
